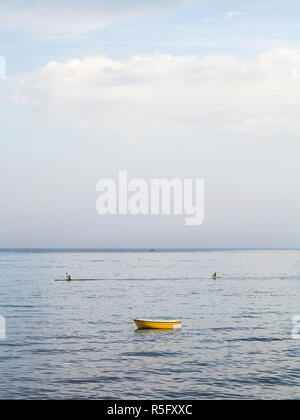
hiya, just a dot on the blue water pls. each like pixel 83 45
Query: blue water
pixel 77 340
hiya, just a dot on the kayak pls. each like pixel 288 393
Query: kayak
pixel 74 280
pixel 157 324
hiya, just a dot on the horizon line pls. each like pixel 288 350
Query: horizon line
pixel 145 249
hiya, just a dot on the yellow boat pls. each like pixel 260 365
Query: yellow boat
pixel 165 324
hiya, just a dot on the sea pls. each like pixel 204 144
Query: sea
pixel 77 340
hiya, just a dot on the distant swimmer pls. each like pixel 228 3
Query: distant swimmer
pixel 214 276
pixel 68 277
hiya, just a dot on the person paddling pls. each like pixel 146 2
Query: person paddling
pixel 214 276
pixel 68 277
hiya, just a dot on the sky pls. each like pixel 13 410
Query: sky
pixel 162 89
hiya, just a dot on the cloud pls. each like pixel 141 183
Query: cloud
pixel 214 94
pixel 209 20
pixel 72 18
pixel 231 122
pixel 230 15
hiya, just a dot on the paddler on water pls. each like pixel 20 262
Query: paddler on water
pixel 68 277
pixel 214 276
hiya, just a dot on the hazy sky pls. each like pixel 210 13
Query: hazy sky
pixel 160 88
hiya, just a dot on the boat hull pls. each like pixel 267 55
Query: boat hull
pixel 157 324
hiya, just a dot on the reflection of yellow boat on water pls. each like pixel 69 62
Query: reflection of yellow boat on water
pixel 157 331
pixel 165 324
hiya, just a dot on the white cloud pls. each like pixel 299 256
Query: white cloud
pixel 215 94
pixel 53 18
pixel 209 20
pixel 230 15
pixel 233 123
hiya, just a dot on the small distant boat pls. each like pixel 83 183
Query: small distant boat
pixel 165 324
pixel 74 280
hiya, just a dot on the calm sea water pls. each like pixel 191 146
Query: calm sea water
pixel 78 340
